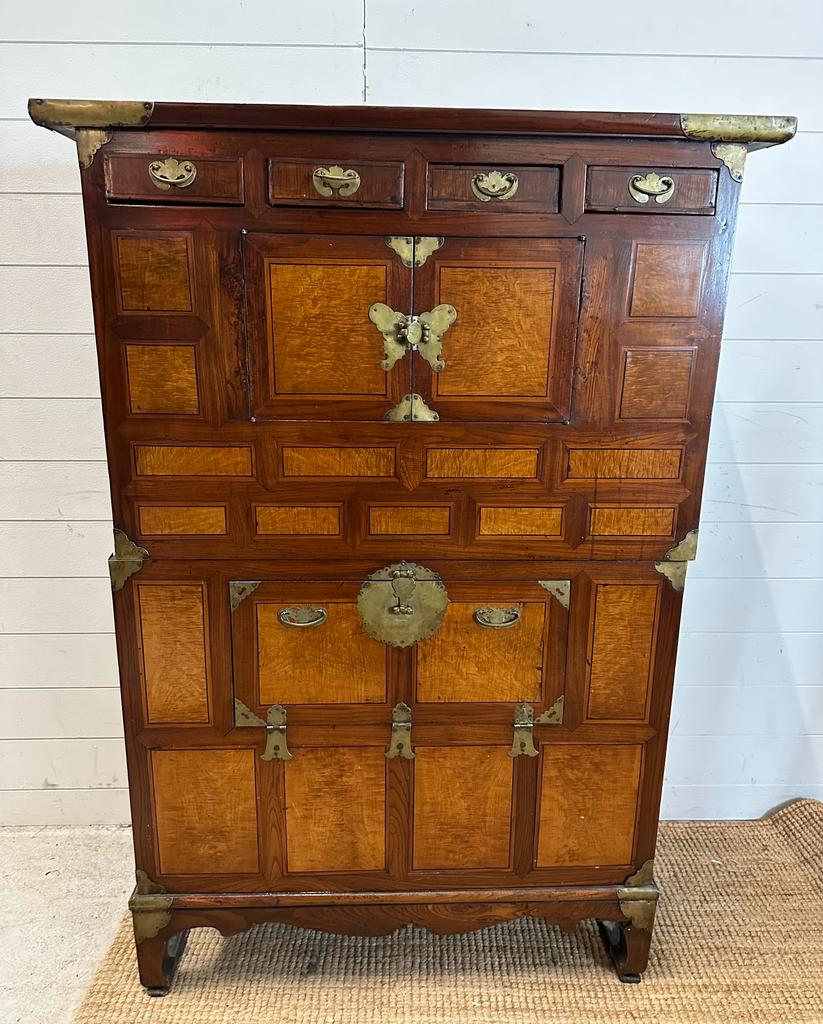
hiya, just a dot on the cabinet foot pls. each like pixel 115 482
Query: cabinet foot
pixel 157 961
pixel 628 947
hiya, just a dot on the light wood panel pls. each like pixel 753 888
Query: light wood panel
pixel 467 662
pixel 205 811
pixel 622 646
pixel 628 521
pixel 336 809
pixel 172 640
pixel 162 379
pixel 170 520
pixel 511 309
pixel 153 273
pixel 513 521
pixel 624 463
pixel 462 807
pixel 333 663
pixel 462 463
pixel 328 301
pixel 297 520
pixel 342 462
pixel 399 520
pixel 192 460
pixel 656 384
pixel 588 804
pixel 667 279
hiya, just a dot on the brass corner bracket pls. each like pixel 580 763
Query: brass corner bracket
pixel 755 130
pixel 554 714
pixel 277 748
pixel 150 905
pixel 560 590
pixel 239 590
pixel 127 559
pixel 733 155
pixel 674 563
pixel 638 897
pixel 89 122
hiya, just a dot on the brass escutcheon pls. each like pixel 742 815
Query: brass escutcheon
pixel 402 604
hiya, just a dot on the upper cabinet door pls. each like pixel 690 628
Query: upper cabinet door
pixel 509 352
pixel 313 352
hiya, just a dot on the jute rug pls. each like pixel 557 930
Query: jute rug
pixel 739 940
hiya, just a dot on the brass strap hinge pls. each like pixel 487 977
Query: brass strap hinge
pixel 523 741
pixel 127 559
pixel 276 748
pixel 400 744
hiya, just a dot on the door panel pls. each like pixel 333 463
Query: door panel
pixel 509 354
pixel 313 352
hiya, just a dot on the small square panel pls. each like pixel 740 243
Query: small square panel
pixel 667 280
pixel 656 384
pixel 162 379
pixel 153 272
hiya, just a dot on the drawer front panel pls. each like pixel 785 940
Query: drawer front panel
pixel 367 184
pixel 149 178
pixel 509 189
pixel 650 190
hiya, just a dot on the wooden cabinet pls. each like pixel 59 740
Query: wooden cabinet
pixel 406 416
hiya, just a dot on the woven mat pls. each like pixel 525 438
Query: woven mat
pixel 739 940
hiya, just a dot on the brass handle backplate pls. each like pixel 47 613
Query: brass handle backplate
pixel 302 618
pixel 494 185
pixel 497 618
pixel 328 180
pixel 400 744
pixel 402 604
pixel 642 187
pixel 170 172
pixel 523 740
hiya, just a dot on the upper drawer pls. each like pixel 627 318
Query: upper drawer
pixel 363 183
pixel 503 188
pixel 650 190
pixel 158 178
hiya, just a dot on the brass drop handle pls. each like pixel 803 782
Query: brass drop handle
pixel 328 180
pixel 497 618
pixel 642 187
pixel 302 618
pixel 494 185
pixel 170 172
pixel 523 740
pixel 400 742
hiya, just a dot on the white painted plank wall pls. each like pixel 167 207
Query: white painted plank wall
pixel 748 716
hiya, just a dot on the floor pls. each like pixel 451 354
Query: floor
pixel 63 893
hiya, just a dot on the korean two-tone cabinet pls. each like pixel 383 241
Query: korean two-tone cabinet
pixel 406 415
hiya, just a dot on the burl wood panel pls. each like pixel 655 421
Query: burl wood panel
pixel 162 379
pixel 291 183
pixel 607 189
pixel 329 301
pixel 334 663
pixel 297 520
pixel 480 463
pixel 464 661
pixel 520 521
pixel 656 384
pixel 181 520
pixel 336 809
pixel 153 273
pixel 402 520
pixel 622 646
pixel 205 811
pixel 462 807
pixel 172 640
pixel 588 804
pixel 624 463
pixel 511 309
pixel 342 462
pixel 192 460
pixel 450 188
pixel 667 279
pixel 617 521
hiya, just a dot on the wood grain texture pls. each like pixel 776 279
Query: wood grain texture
pixel 621 649
pixel 340 462
pixel 624 463
pixel 466 662
pixel 519 521
pixel 656 384
pixel 334 663
pixel 401 520
pixel 181 520
pixel 462 807
pixel 173 645
pixel 667 279
pixel 205 811
pixel 630 521
pixel 588 804
pixel 336 809
pixel 192 460
pixel 162 379
pixel 479 463
pixel 298 520
pixel 153 273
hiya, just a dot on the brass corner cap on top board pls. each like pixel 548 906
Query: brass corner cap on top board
pixel 65 115
pixel 757 130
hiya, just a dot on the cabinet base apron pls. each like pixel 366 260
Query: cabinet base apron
pixel 625 915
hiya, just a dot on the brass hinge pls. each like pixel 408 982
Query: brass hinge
pixel 400 744
pixel 414 251
pixel 674 563
pixel 523 741
pixel 277 748
pixel 638 897
pixel 411 409
pixel 127 559
pixel 150 905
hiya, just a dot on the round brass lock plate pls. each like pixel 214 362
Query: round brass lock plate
pixel 402 604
